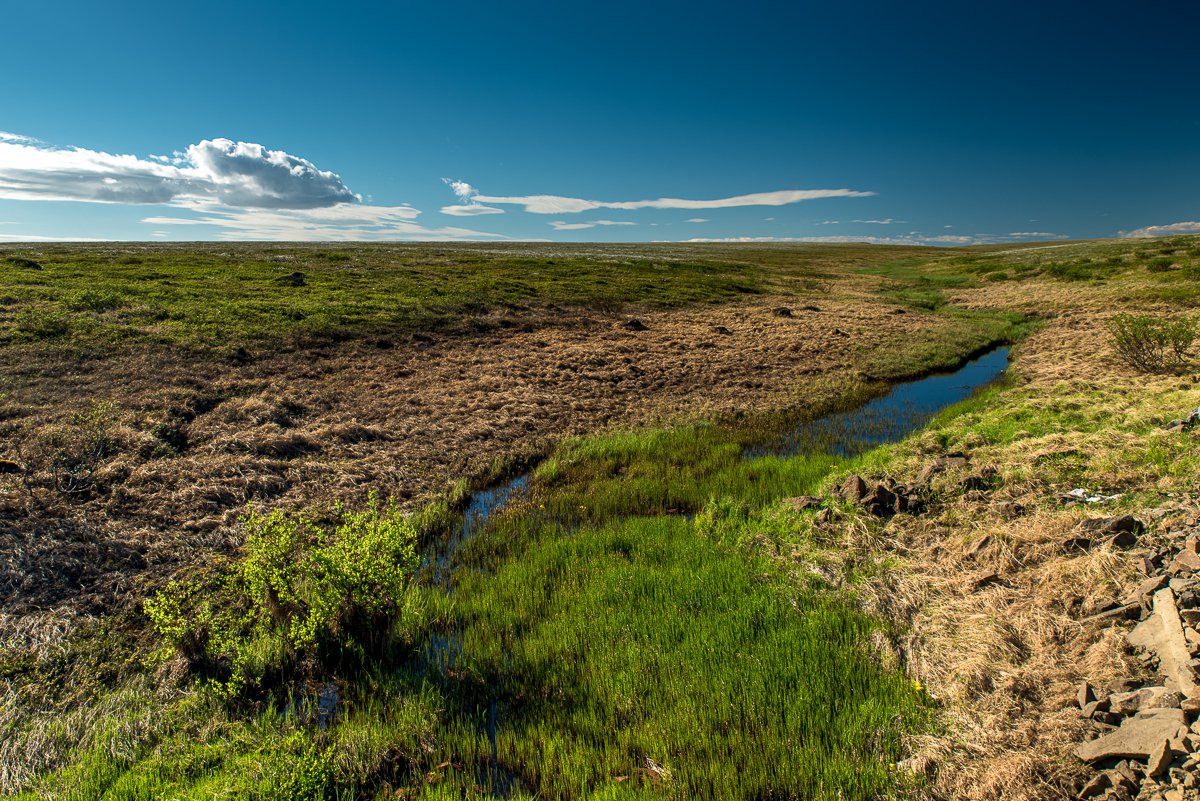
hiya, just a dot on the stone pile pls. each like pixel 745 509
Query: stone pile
pixel 1146 739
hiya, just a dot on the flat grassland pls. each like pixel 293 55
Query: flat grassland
pixel 650 618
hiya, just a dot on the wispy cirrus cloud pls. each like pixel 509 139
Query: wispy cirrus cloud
pixel 558 204
pixel 342 222
pixel 1162 230
pixel 5 136
pixel 914 238
pixel 560 225
pixel 238 174
pixel 886 221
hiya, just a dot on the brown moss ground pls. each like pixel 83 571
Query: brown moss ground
pixel 305 427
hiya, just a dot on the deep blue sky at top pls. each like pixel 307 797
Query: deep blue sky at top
pixel 966 119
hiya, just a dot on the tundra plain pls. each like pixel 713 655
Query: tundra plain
pixel 652 616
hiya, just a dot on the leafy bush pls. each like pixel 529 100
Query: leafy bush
pixel 300 596
pixel 93 300
pixel 1152 344
pixel 43 323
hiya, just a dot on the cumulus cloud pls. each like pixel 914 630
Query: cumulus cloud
pixel 343 222
pixel 557 204
pixel 467 206
pixel 559 225
pixel 237 174
pixel 1163 230
pixel 5 136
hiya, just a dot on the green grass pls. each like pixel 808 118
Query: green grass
pixel 209 295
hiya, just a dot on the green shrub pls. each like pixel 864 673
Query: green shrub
pixel 1152 344
pixel 43 323
pixel 1160 266
pixel 299 596
pixel 93 300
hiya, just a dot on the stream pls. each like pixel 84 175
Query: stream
pixel 888 418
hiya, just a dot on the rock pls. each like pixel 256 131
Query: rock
pixel 782 311
pixel 823 517
pixel 1190 706
pixel 986 580
pixel 1145 698
pixel 1162 635
pixel 979 483
pixel 1085 695
pixel 1093 708
pixel 804 502
pixel 980 546
pixel 9 466
pixel 1137 738
pixel 1010 509
pixel 1175 426
pixel 22 263
pixel 1127 612
pixel 881 502
pixel 1185 564
pixel 292 279
pixel 1159 760
pixel 853 489
pixel 720 329
pixel 1097 785
pixel 1122 532
pixel 810 308
pixel 634 325
pixel 1147 589
pixel 1078 543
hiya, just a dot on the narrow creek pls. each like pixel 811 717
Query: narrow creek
pixel 888 418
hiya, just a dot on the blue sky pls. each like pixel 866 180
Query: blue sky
pixel 938 123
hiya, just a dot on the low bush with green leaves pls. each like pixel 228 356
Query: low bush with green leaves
pixel 1153 344
pixel 299 598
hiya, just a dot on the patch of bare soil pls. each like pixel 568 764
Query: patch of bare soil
pixel 193 440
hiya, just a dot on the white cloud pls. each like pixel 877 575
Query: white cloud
pixel 1163 230
pixel 37 238
pixel 5 136
pixel 914 238
pixel 887 221
pixel 238 174
pixel 470 210
pixel 556 204
pixel 696 220
pixel 466 195
pixel 1036 235
pixel 343 222
pixel 559 225
pixel 829 222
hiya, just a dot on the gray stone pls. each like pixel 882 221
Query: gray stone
pixel 1185 564
pixel 1147 588
pixel 1162 635
pixel 1159 760
pixel 1085 694
pixel 1137 738
pixel 804 502
pixel 1145 698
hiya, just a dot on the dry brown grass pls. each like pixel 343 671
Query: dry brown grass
pixel 1003 659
